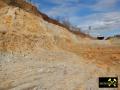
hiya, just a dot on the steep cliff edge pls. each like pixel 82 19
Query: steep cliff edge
pixel 32 9
pixel 23 27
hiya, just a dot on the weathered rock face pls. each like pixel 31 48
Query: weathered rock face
pixel 38 53
pixel 20 29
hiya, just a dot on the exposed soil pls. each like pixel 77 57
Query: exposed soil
pixel 38 55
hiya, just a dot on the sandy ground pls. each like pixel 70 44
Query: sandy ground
pixel 77 69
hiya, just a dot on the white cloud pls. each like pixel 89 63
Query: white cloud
pixel 106 3
pixel 65 9
pixel 62 11
pixel 72 6
pixel 101 21
pixel 60 2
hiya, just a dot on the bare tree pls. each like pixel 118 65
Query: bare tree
pixel 66 22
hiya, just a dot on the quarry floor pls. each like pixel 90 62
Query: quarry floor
pixel 77 68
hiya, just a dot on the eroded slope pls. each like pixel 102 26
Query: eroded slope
pixel 38 55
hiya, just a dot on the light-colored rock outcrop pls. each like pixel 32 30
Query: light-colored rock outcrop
pixel 41 54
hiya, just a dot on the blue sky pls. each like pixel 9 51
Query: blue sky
pixel 102 15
